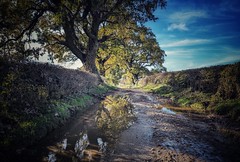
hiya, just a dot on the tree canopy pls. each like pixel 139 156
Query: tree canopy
pixel 130 54
pixel 66 29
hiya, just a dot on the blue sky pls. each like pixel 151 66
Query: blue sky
pixel 198 33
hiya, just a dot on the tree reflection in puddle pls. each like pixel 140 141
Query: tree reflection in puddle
pixel 115 114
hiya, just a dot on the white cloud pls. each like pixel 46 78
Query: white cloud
pixel 177 65
pixel 229 59
pixel 180 52
pixel 185 16
pixel 179 26
pixel 221 61
pixel 186 42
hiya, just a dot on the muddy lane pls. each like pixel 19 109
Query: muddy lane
pixel 163 135
pixel 135 143
pixel 149 134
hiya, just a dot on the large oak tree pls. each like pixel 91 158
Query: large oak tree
pixel 65 27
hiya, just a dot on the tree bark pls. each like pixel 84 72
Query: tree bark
pixel 90 64
pixel 93 44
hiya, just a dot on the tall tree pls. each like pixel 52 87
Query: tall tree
pixel 131 53
pixel 66 27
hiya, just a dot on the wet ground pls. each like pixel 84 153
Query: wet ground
pixel 163 135
pixel 155 135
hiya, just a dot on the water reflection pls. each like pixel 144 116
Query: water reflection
pixel 83 150
pixel 81 145
pixel 167 111
pixel 64 144
pixel 52 157
pixel 115 114
pixel 102 145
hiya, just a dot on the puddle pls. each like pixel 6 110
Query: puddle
pixel 82 151
pixel 114 115
pixel 167 111
pixel 93 136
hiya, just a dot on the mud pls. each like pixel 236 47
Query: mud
pixel 155 135
pixel 163 135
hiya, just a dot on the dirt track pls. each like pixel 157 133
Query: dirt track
pixel 159 135
pixel 155 135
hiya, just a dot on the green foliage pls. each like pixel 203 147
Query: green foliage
pixel 230 108
pixel 100 89
pixel 229 83
pixel 57 113
pixel 127 56
pixel 183 101
pixel 215 88
pixel 27 127
pixel 114 114
pixel 56 27
pixel 164 89
pixel 198 105
pixel 36 98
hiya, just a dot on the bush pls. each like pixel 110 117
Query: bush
pixel 165 89
pixel 198 106
pixel 230 108
pixel 36 98
pixel 184 101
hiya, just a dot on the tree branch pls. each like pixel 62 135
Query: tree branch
pixel 28 28
pixel 105 38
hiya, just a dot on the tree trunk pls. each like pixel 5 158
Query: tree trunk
pixel 89 64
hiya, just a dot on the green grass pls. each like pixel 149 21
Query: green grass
pixel 101 89
pixel 151 87
pixel 55 114
pixel 199 101
pixel 183 101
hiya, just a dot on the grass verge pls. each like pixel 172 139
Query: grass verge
pixel 30 129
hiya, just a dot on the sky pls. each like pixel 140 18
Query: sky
pixel 198 33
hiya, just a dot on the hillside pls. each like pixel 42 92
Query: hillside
pixel 37 98
pixel 213 89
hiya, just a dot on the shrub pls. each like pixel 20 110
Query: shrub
pixel 184 101
pixel 230 108
pixel 165 89
pixel 197 105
